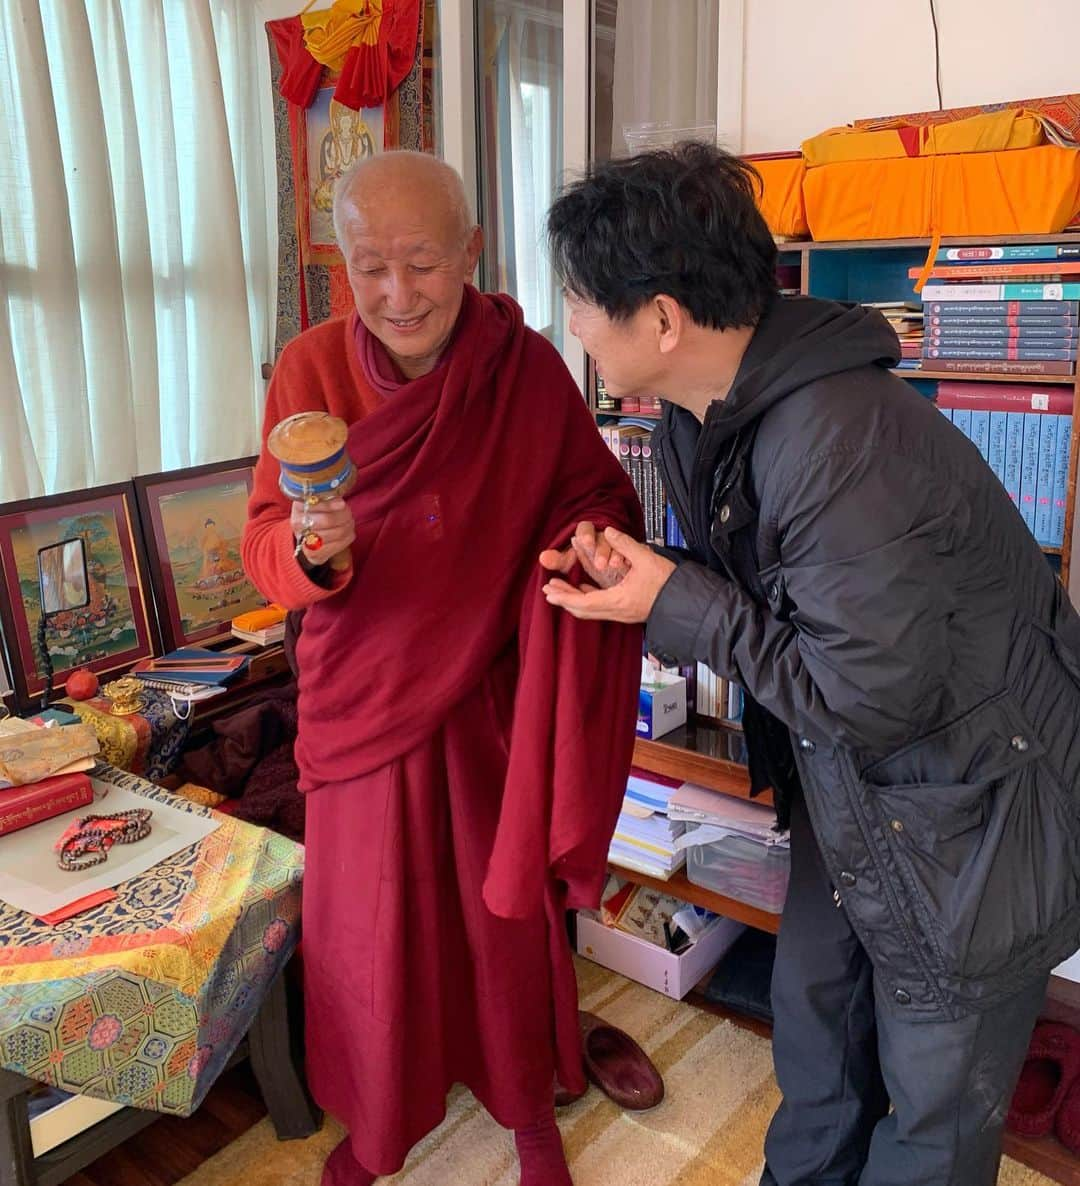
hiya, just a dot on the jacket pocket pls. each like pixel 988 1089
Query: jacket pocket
pixel 984 843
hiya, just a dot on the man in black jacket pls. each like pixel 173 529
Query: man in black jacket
pixel 910 662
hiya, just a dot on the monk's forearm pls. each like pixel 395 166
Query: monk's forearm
pixel 270 561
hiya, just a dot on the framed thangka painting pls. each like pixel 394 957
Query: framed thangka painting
pixel 193 520
pixel 115 627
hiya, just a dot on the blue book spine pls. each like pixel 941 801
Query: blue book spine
pixel 1061 482
pixel 980 432
pixel 1014 455
pixel 996 453
pixel 961 417
pixel 946 412
pixel 670 526
pixel 1028 467
pixel 1044 480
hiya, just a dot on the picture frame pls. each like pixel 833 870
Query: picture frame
pixel 116 628
pixel 192 521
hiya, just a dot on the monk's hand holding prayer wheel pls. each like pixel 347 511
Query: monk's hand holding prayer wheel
pixel 316 473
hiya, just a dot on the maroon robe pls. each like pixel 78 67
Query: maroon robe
pixel 464 745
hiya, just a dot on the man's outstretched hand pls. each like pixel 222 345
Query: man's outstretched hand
pixel 603 565
pixel 629 597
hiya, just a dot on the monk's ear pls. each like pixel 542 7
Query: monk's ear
pixel 474 244
pixel 670 320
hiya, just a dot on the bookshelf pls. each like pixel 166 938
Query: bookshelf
pixel 712 756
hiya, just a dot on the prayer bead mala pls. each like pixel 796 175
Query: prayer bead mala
pixel 88 840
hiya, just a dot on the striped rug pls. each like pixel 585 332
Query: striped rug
pixel 708 1131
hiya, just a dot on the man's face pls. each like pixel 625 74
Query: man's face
pixel 408 263
pixel 624 351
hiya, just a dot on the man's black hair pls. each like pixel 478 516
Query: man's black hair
pixel 681 221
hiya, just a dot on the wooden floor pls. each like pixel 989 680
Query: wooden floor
pixel 171 1148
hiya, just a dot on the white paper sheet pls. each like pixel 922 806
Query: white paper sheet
pixel 31 879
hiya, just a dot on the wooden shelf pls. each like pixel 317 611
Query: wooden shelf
pixel 679 886
pixel 710 755
pixel 986 377
pixel 948 241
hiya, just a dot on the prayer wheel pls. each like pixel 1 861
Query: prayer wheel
pixel 315 465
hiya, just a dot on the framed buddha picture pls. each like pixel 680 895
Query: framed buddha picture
pixel 193 520
pixel 113 625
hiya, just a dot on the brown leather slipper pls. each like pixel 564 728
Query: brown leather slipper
pixel 618 1065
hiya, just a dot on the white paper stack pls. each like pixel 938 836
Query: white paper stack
pixel 646 839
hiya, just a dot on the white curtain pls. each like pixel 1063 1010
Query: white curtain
pixel 136 239
pixel 665 65
pixel 535 62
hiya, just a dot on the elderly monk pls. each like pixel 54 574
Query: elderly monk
pixel 464 746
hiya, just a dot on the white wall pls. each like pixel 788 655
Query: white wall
pixel 812 65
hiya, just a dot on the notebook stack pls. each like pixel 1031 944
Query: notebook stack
pixel 645 839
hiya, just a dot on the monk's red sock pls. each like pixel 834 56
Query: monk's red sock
pixel 540 1151
pixel 342 1169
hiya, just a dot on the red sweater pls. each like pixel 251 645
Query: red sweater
pixel 318 371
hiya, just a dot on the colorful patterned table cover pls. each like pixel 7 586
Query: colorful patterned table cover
pixel 147 743
pixel 142 1000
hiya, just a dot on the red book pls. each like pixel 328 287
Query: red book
pixel 30 804
pixel 1001 366
pixel 1005 397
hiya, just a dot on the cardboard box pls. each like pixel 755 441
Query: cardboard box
pixel 655 967
pixel 661 704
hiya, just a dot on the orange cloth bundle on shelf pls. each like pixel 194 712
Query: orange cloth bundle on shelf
pixel 997 131
pixel 1022 191
pixel 781 200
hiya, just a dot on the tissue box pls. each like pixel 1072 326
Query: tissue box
pixel 661 704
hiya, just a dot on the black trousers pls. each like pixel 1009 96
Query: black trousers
pixel 844 1051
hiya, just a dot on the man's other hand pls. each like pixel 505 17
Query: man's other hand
pixel 630 599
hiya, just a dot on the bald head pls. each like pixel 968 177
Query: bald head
pixel 390 179
pixel 410 249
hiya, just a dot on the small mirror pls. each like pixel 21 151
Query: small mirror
pixel 63 577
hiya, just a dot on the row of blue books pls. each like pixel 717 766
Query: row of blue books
pixel 1029 452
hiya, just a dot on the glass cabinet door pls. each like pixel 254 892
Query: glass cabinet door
pixel 520 117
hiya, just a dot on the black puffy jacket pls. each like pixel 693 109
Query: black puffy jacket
pixel 858 568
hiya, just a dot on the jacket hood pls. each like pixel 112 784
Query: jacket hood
pixel 798 341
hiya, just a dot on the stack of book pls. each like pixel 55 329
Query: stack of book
pixel 1009 310
pixel 645 839
pixel 190 673
pixel 906 318
pixel 1024 434
pixel 48 766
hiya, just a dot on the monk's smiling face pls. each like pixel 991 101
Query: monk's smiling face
pixel 410 250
